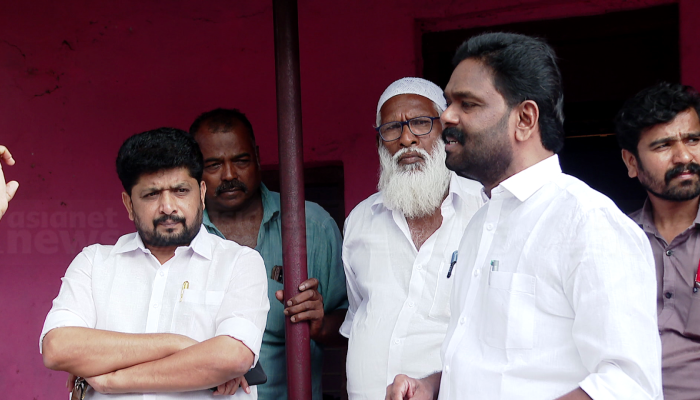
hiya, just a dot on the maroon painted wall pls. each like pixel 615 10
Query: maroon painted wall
pixel 78 77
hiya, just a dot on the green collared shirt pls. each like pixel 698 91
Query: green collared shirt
pixel 323 246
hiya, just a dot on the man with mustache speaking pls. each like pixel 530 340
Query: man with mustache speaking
pixel 553 290
pixel 242 209
pixel 400 244
pixel 659 132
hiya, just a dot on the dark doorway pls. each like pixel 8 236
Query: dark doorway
pixel 604 59
pixel 323 184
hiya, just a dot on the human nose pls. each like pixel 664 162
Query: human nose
pixel 407 138
pixel 228 172
pixel 448 117
pixel 168 203
pixel 682 154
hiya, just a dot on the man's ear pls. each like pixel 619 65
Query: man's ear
pixel 126 199
pixel 527 118
pixel 202 192
pixel 631 163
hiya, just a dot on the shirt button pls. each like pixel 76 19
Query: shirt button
pixel 669 253
pixel 668 295
pixel 162 273
pixel 419 267
pixel 411 304
pixel 397 341
pixel 489 227
pixel 462 321
pixel 447 369
pixel 476 272
pixel 155 306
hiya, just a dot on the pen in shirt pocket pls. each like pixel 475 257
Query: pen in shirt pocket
pixel 697 280
pixel 453 261
pixel 185 285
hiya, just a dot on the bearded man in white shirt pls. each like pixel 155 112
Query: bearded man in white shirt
pixel 554 293
pixel 399 243
pixel 167 312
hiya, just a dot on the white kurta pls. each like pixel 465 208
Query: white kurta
pixel 398 295
pixel 554 289
pixel 123 288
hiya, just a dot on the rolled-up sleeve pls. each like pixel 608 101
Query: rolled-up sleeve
pixel 243 311
pixel 74 305
pixel 614 297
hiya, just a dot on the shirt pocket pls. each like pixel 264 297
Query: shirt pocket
pixel 509 321
pixel 692 324
pixel 195 313
pixel 443 290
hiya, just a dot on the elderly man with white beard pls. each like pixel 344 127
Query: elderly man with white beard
pixel 401 242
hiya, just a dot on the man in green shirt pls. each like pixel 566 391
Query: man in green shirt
pixel 240 208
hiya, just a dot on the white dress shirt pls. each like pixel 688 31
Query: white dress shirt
pixel 398 295
pixel 123 288
pixel 555 288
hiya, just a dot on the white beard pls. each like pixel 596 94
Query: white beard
pixel 417 189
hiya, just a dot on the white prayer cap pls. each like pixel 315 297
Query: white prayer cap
pixel 417 86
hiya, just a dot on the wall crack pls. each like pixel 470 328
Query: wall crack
pixel 16 47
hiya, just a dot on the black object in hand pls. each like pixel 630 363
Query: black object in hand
pixel 256 376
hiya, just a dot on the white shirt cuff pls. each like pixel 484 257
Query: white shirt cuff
pixel 346 327
pixel 611 382
pixel 59 319
pixel 243 330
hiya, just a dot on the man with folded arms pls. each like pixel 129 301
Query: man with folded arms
pixel 167 312
pixel 399 243
pixel 659 132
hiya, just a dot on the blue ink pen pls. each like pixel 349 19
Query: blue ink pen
pixel 453 261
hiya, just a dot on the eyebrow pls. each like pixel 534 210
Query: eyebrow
pixel 667 139
pixel 237 156
pixel 176 186
pixel 461 95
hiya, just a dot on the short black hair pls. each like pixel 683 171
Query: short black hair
pixel 524 68
pixel 654 105
pixel 222 120
pixel 157 150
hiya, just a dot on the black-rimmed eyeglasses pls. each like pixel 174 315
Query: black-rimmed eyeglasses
pixel 418 126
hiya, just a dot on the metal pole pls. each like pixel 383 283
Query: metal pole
pixel 292 191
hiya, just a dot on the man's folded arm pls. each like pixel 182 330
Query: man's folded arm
pixel 202 366
pixel 89 352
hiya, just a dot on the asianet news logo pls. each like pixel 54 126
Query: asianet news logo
pixel 56 232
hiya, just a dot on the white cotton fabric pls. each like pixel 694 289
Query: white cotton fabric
pixel 572 302
pixel 398 295
pixel 417 86
pixel 123 288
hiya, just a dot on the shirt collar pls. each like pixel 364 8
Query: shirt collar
pixel 646 218
pixel 206 221
pixel 201 244
pixel 270 206
pixel 528 181
pixel 452 193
